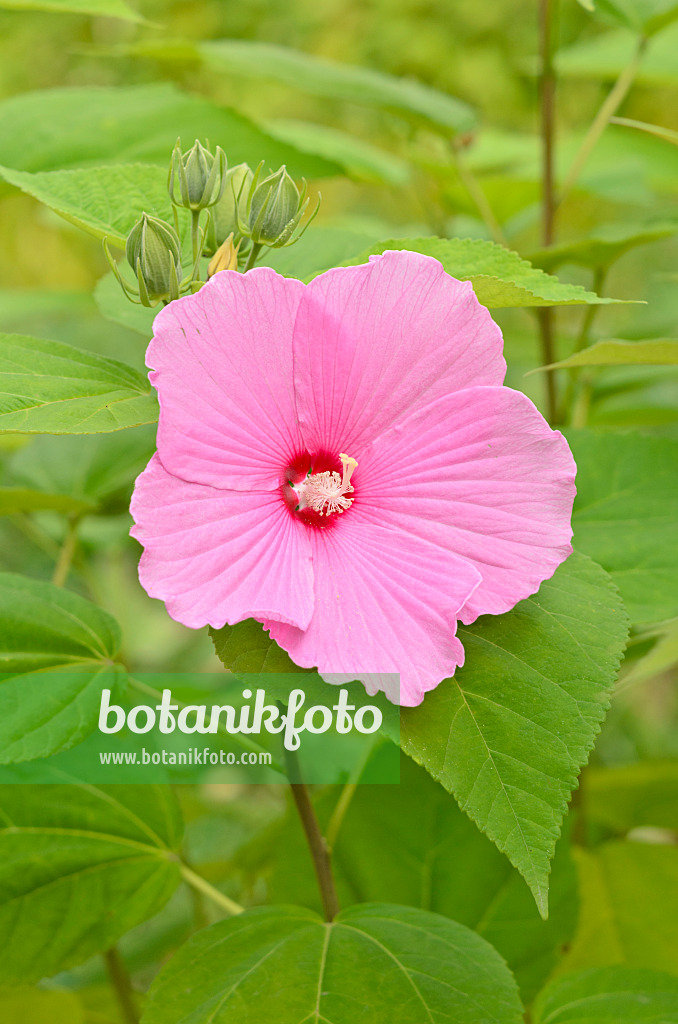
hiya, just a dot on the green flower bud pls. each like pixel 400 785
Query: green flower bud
pixel 199 175
pixel 275 208
pixel 231 209
pixel 153 252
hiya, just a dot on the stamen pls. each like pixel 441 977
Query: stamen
pixel 325 493
pixel 349 465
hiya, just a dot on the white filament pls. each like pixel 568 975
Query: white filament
pixel 326 492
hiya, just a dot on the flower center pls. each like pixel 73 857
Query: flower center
pixel 326 492
pixel 317 497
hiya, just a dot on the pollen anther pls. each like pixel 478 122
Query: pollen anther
pixel 326 492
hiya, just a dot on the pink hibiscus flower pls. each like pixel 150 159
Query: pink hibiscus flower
pixel 340 461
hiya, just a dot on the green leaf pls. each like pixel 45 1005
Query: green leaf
pixel 629 907
pixel 55 129
pixel 246 648
pixel 57 651
pixel 114 305
pixel 509 732
pixel 97 470
pixel 25 1005
pixel 606 56
pixel 79 867
pixel 631 796
pixel 662 352
pixel 321 77
pixel 609 996
pixel 604 246
pixel 103 201
pixel 97 8
pixel 499 277
pixel 645 17
pixel 663 655
pixel 627 516
pixel 436 845
pixel 24 499
pixel 361 159
pixel 376 963
pixel 317 251
pixel 652 129
pixel 47 387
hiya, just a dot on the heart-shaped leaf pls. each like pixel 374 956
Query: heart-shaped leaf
pixel 614 995
pixel 374 964
pixel 57 651
pixel 80 866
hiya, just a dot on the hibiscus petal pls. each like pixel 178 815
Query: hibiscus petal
pixel 223 368
pixel 482 474
pixel 216 556
pixel 386 602
pixel 374 342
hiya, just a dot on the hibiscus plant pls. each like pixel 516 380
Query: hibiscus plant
pixel 387 463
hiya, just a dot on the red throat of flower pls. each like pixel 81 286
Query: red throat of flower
pixel 316 488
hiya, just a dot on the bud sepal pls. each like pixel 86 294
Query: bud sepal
pixel 153 251
pixel 197 177
pixel 275 208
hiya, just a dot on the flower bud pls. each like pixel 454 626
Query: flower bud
pixel 275 208
pixel 153 252
pixel 231 209
pixel 225 258
pixel 199 174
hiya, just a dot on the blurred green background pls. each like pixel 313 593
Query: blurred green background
pixel 484 53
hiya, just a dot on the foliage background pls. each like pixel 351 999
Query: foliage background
pixel 615 903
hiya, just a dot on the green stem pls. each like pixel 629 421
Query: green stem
pixel 547 90
pixel 545 319
pixel 195 234
pixel 65 558
pixel 150 691
pixel 344 801
pixel 608 109
pixel 253 256
pixel 591 311
pixel 121 984
pixel 477 194
pixel 317 844
pixel 547 97
pixel 578 397
pixel 339 813
pixel 42 540
pixel 203 886
pixel 580 409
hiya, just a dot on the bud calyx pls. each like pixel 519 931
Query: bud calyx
pixel 197 177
